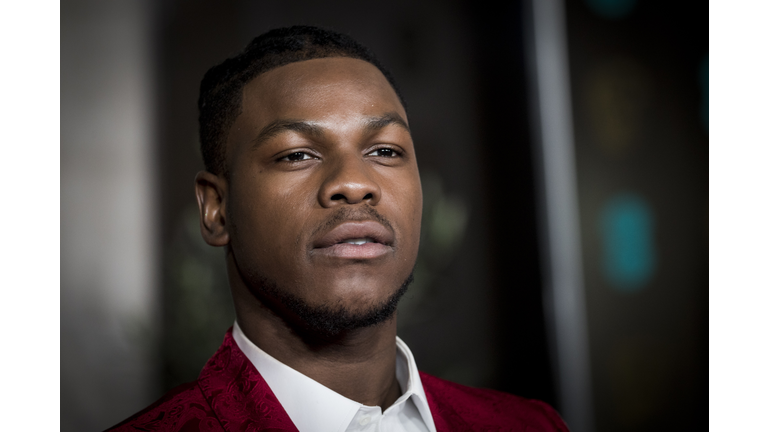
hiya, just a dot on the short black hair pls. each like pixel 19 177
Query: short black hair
pixel 221 90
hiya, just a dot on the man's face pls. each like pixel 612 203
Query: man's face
pixel 324 197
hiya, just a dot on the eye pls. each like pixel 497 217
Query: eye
pixel 384 152
pixel 296 157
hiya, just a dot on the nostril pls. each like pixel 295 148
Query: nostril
pixel 337 197
pixel 369 196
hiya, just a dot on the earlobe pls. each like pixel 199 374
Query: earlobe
pixel 211 191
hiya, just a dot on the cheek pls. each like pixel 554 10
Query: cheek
pixel 268 222
pixel 409 205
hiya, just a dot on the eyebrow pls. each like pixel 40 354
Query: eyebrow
pixel 373 124
pixel 312 129
pixel 280 126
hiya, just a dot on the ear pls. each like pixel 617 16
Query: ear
pixel 211 191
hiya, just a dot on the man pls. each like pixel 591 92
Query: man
pixel 312 186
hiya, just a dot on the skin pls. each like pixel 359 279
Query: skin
pixel 318 143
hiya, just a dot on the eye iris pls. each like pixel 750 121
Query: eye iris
pixel 386 152
pixel 293 157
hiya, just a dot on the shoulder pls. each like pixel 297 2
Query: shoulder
pixel 453 403
pixel 183 408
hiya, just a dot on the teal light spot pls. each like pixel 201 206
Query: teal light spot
pixel 612 9
pixel 629 257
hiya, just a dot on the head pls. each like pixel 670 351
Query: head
pixel 311 179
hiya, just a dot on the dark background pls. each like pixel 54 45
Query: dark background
pixel 475 314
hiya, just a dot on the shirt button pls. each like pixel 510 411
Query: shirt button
pixel 365 420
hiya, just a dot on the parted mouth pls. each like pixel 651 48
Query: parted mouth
pixel 356 233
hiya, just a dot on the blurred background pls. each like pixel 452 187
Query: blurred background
pixel 563 152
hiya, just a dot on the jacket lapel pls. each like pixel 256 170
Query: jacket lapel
pixel 238 394
pixel 445 417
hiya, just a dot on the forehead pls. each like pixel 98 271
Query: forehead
pixel 320 88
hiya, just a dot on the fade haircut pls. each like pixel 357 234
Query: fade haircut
pixel 221 90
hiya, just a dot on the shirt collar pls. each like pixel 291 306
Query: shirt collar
pixel 410 382
pixel 313 406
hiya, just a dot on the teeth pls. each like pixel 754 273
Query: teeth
pixel 357 241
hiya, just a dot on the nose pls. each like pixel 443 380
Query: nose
pixel 349 181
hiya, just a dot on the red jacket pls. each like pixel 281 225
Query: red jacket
pixel 230 395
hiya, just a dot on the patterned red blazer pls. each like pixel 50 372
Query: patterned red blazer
pixel 230 395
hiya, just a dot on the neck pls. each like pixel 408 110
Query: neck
pixel 359 364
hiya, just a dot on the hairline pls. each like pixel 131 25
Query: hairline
pixel 221 90
pixel 224 169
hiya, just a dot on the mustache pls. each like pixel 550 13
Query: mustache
pixel 347 214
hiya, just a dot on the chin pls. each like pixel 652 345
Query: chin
pixel 350 305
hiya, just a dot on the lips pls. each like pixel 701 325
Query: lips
pixel 355 240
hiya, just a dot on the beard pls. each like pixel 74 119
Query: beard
pixel 324 321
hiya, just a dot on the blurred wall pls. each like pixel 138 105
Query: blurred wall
pixel 640 102
pixel 108 213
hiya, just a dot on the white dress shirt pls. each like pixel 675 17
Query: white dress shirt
pixel 314 407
